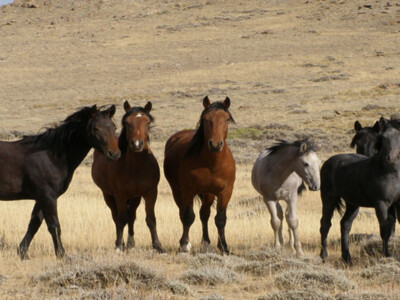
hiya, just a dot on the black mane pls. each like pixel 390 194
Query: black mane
pixel 122 142
pixel 282 144
pixel 58 138
pixel 197 141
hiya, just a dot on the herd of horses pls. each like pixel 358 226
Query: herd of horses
pixel 199 163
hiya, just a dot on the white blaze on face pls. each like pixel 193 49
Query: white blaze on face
pixel 137 143
pixel 138 115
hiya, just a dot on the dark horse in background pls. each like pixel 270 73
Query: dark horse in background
pixel 134 175
pixel 199 162
pixel 365 142
pixel 362 182
pixel 40 167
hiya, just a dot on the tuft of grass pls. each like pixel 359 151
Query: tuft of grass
pixel 382 273
pixel 324 280
pixel 296 295
pixel 210 276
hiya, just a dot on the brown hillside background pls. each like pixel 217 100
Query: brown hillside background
pixel 292 69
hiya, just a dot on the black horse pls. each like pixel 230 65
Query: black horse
pixel 362 182
pixel 365 138
pixel 40 167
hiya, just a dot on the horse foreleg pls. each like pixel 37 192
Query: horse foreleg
pixel 150 201
pixel 276 222
pixel 49 209
pixel 34 224
pixel 207 201
pixel 121 219
pixel 385 225
pixel 220 218
pixel 132 205
pixel 293 222
pixel 345 227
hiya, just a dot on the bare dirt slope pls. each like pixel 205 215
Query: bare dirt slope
pixel 305 67
pixel 291 68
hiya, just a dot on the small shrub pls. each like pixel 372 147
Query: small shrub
pixel 296 295
pixel 210 276
pixel 324 279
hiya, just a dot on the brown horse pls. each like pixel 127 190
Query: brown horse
pixel 134 175
pixel 199 162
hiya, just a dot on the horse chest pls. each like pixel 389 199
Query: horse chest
pixel 207 180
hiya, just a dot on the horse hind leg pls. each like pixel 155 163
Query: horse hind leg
pixel 150 201
pixel 345 227
pixel 132 205
pixel 329 204
pixel 205 210
pixel 276 222
pixel 34 225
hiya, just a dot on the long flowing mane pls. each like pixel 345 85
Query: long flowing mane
pixel 283 144
pixel 197 141
pixel 58 138
pixel 122 142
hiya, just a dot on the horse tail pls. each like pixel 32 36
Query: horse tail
pixel 301 188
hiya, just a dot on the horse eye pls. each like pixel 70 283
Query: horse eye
pixel 306 164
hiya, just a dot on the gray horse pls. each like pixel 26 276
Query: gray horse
pixel 278 174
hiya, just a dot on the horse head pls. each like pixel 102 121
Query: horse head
pixel 307 165
pixel 388 145
pixel 102 132
pixel 366 137
pixel 135 127
pixel 214 120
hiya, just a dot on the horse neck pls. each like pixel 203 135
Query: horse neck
pixel 77 150
pixel 283 163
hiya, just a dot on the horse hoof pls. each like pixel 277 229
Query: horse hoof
pixel 185 248
pixel 299 254
pixel 118 250
pixel 205 247
pixel 158 248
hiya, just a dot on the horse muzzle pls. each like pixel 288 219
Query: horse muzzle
pixel 113 155
pixel 137 145
pixel 217 148
pixel 314 187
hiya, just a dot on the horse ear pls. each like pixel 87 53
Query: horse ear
pixel 110 111
pixel 93 110
pixel 148 107
pixel 303 148
pixel 378 127
pixel 227 102
pixel 206 102
pixel 357 126
pixel 382 124
pixel 127 106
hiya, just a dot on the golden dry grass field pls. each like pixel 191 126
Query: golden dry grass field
pixel 291 68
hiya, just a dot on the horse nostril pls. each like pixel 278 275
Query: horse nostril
pixel 220 144
pixel 210 144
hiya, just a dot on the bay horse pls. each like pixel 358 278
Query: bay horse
pixel 278 174
pixel 362 181
pixel 199 162
pixel 40 167
pixel 134 175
